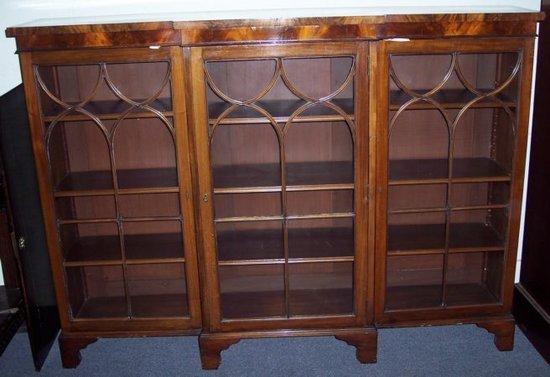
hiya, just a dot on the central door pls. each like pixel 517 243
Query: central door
pixel 282 184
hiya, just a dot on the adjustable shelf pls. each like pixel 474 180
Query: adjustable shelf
pixel 271 304
pixel 140 249
pixel 266 246
pixel 143 306
pixel 419 239
pixel 448 99
pixel 134 181
pixel 302 176
pixel 280 110
pixel 416 297
pixel 426 171
pixel 112 110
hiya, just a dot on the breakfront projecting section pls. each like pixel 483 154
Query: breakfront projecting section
pixel 281 144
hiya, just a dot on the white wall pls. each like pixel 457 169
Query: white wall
pixel 14 12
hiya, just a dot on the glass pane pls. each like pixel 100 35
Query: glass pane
pixel 416 232
pixel 239 80
pixel 321 288
pixel 245 155
pixel 153 240
pixel 238 205
pixel 490 72
pixel 142 82
pixel 145 154
pixel 79 156
pixel 252 291
pixel 319 153
pixel 147 205
pixel 98 242
pixel 480 194
pixel 474 278
pixel 317 202
pixel 478 229
pixel 85 207
pixel 250 240
pixel 421 73
pixel 416 197
pixel 96 291
pixel 60 82
pixel 318 238
pixel 414 282
pixel 321 77
pixel 158 290
pixel 484 144
pixel 419 143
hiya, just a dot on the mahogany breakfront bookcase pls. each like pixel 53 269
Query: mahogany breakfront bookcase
pixel 289 177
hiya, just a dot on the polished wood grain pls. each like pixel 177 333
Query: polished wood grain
pixel 192 33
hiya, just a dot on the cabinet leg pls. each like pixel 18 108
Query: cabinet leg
pixel 503 330
pixel 365 342
pixel 211 347
pixel 70 346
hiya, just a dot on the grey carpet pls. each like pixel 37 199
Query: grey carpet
pixel 429 351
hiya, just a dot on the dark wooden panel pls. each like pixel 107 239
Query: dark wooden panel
pixel 531 298
pixel 38 289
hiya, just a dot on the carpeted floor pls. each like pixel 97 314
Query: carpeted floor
pixel 429 351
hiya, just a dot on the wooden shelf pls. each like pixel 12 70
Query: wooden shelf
pixel 266 246
pixel 149 306
pixel 147 247
pixel 425 171
pixel 469 294
pixel 271 304
pixel 132 181
pixel 105 250
pixel 429 296
pixel 299 176
pixel 113 109
pixel 103 307
pixel 448 99
pixel 420 239
pixel 158 306
pixel 413 297
pixel 321 242
pixel 315 302
pixel 280 110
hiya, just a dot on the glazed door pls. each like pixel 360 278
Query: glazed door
pixel 111 149
pixel 282 144
pixel 451 163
